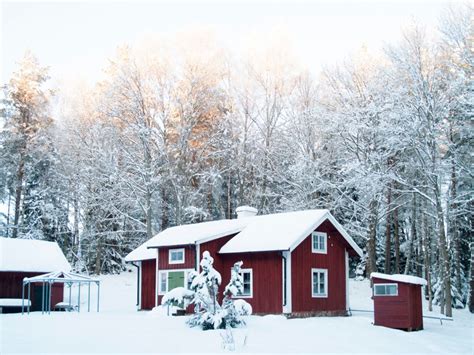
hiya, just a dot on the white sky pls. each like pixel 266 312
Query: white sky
pixel 75 38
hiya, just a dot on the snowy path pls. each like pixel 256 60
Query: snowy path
pixel 119 328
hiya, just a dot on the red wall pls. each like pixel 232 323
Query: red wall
pixel 11 284
pixel 303 260
pixel 148 280
pixel 189 258
pixel 267 269
pixel 401 312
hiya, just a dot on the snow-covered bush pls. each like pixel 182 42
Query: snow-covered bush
pixel 208 313
pixel 178 296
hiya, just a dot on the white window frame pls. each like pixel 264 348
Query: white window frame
pixel 319 234
pixel 326 286
pixel 186 276
pixel 249 271
pixel 385 284
pixel 171 251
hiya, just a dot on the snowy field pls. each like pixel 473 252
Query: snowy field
pixel 119 328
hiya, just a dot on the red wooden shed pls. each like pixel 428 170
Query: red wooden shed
pixel 20 258
pixel 397 301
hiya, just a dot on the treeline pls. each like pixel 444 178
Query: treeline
pixel 182 131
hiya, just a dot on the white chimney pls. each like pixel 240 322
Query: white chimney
pixel 246 211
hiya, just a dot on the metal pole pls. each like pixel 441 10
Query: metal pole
pixel 79 298
pixel 29 298
pixel 98 294
pixel 42 299
pixel 22 297
pixel 88 296
pixel 70 290
pixel 50 292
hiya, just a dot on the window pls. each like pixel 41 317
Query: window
pixel 247 280
pixel 319 240
pixel 163 282
pixel 176 256
pixel 385 289
pixel 319 281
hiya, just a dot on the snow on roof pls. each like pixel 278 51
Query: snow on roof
pixel 142 252
pixel 31 256
pixel 198 232
pixel 400 278
pixel 281 231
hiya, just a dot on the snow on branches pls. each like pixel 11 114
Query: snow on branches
pixel 203 292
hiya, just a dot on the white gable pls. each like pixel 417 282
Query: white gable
pixel 31 256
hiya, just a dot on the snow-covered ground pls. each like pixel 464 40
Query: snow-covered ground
pixel 119 328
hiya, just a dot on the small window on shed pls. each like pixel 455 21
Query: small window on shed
pixel 319 242
pixel 385 289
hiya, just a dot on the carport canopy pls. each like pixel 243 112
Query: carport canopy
pixel 51 278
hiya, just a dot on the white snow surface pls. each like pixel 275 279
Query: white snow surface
pixel 31 256
pixel 119 328
pixel 13 302
pixel 400 278
pixel 280 231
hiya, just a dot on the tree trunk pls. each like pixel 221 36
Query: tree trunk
pixel 18 192
pixel 388 228
pixel 426 256
pixel 396 241
pixel 445 264
pixel 454 229
pixel 371 257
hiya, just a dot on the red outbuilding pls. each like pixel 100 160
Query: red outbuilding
pixel 20 258
pixel 397 301
pixel 294 263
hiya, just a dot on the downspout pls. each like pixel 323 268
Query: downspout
pixel 138 282
pixel 284 278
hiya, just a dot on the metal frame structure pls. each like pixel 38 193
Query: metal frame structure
pixel 51 278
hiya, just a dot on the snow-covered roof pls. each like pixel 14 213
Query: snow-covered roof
pixel 198 232
pixel 31 256
pixel 142 252
pixel 399 278
pixel 280 231
pixel 61 276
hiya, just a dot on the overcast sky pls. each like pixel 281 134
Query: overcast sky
pixel 75 38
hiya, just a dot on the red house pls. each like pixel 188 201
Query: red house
pixel 294 263
pixel 397 301
pixel 20 258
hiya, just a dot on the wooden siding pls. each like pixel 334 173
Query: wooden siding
pixel 303 260
pixel 189 258
pixel 148 284
pixel 267 271
pixel 400 312
pixel 11 284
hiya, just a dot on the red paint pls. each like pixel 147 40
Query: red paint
pixel 400 312
pixel 303 260
pixel 189 258
pixel 267 294
pixel 11 287
pixel 148 283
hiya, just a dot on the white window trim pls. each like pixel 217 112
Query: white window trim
pixel 176 261
pixel 326 286
pixel 385 284
pixel 251 284
pixel 186 272
pixel 319 251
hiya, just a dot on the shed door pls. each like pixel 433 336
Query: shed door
pixel 175 279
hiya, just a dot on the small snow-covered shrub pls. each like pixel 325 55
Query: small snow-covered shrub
pixel 178 296
pixel 208 313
